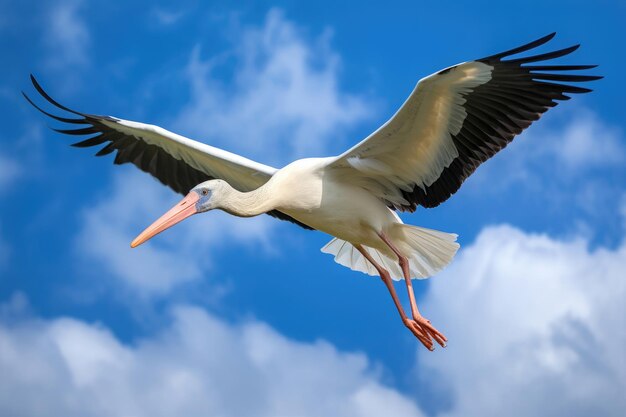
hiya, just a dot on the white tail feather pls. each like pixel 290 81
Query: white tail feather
pixel 429 251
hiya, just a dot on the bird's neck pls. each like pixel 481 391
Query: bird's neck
pixel 247 204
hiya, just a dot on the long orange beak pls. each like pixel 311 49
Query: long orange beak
pixel 178 213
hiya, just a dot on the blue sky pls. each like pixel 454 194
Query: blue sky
pixel 228 316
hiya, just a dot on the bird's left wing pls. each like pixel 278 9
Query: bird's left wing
pixel 453 121
pixel 176 161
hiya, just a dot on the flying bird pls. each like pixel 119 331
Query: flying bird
pixel 453 121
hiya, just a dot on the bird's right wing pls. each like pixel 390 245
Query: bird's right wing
pixel 176 161
pixel 453 121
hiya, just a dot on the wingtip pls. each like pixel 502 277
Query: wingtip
pixel 544 39
pixel 34 81
pixel 30 100
pixel 522 48
pixel 52 101
pixel 59 118
pixel 549 37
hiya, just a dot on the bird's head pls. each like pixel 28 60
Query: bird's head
pixel 203 197
pixel 209 194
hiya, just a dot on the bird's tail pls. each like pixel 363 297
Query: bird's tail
pixel 429 251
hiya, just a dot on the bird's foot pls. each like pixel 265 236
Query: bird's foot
pixel 425 332
pixel 417 331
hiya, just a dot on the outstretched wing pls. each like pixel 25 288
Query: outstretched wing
pixel 176 161
pixel 455 120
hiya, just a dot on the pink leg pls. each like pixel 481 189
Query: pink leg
pixel 417 317
pixel 411 324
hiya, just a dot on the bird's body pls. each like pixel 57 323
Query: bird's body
pixel 453 121
pixel 320 199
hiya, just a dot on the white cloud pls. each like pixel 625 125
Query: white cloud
pixel 67 36
pixel 556 153
pixel 575 167
pixel 178 256
pixel 22 150
pixel 283 100
pixel 573 144
pixel 536 327
pixel 199 365
pixel 587 142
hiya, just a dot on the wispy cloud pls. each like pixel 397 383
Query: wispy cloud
pixel 67 36
pixel 198 365
pixel 5 250
pixel 535 326
pixel 167 17
pixel 9 171
pixel 586 143
pixel 575 164
pixel 176 257
pixel 622 209
pixel 570 148
pixel 282 101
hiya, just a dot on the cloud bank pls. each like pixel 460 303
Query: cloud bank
pixel 199 365
pixel 536 327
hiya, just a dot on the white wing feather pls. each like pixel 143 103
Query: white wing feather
pixel 242 173
pixel 415 145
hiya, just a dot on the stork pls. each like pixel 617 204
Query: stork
pixel 453 121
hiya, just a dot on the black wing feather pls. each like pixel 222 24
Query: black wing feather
pixel 172 172
pixel 500 109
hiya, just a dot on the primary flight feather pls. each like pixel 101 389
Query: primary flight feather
pixel 453 121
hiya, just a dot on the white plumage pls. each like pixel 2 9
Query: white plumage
pixel 452 122
pixel 415 145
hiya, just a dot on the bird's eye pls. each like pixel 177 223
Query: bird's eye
pixel 205 192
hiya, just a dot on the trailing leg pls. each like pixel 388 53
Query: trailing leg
pixel 414 327
pixel 422 322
